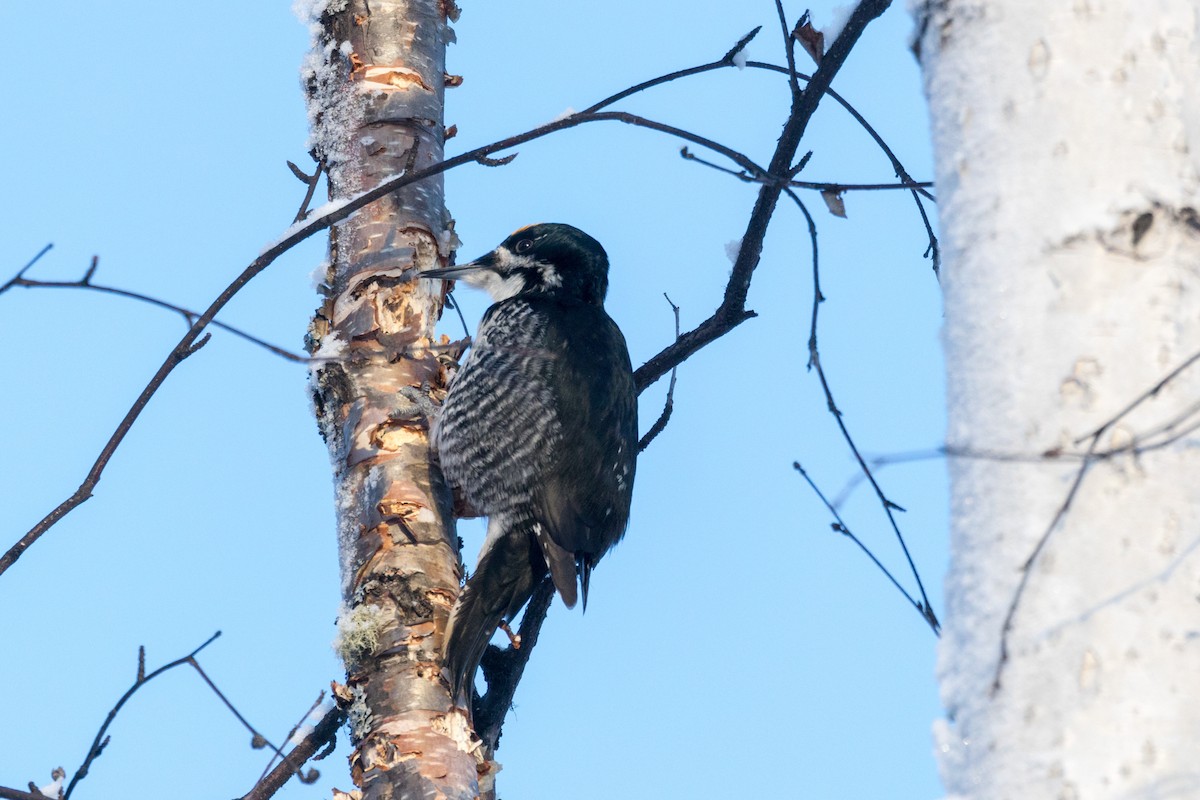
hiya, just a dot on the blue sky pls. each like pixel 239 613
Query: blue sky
pixel 733 644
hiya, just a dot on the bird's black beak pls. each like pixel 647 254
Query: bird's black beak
pixel 460 271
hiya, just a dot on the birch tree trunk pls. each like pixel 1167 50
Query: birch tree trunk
pixel 375 83
pixel 1066 135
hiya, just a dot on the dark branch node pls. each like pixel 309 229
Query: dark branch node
pixel 796 170
pixel 191 349
pixel 495 162
pixel 311 181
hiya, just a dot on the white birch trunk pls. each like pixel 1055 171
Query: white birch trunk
pixel 1062 129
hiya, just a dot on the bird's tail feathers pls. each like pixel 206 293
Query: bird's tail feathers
pixel 509 567
pixel 584 565
pixel 561 563
pixel 468 631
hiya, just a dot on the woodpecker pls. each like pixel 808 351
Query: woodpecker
pixel 538 430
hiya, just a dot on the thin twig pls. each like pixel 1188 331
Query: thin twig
pixel 189 316
pixel 316 704
pixel 741 159
pixel 822 186
pixel 323 734
pixel 860 187
pixel 789 48
pixel 1027 567
pixel 1090 458
pixel 660 424
pixel 257 737
pixel 1143 397
pixel 840 527
pixel 1172 431
pixel 28 266
pixel 814 361
pixel 453 304
pixel 101 741
pixel 725 61
pixel 311 181
pixel 878 463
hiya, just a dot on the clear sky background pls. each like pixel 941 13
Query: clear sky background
pixel 733 647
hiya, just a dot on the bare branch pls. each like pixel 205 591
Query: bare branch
pixel 840 526
pixel 732 311
pixel 789 47
pixel 822 186
pixel 334 212
pixel 713 328
pixel 878 463
pixel 814 361
pixel 502 669
pixel 316 704
pixel 189 316
pixel 17 794
pixel 28 266
pixel 725 61
pixel 101 740
pixel 660 424
pixel 1143 397
pixel 1175 430
pixel 311 181
pixel 859 187
pixel 256 736
pixel 323 734
pixel 934 249
pixel 1028 565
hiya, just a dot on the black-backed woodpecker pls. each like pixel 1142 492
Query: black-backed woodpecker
pixel 538 430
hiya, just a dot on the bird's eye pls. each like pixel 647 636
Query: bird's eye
pixel 524 246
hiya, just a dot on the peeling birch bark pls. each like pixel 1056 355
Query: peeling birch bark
pixel 375 84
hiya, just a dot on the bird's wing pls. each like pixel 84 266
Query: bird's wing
pixel 584 502
pixel 502 391
pixel 555 392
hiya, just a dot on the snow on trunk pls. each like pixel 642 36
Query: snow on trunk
pixel 1066 135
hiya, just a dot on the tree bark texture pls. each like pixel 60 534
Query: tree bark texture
pixel 375 82
pixel 1066 135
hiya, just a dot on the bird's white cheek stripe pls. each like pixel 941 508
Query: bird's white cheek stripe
pixel 499 288
pixel 509 264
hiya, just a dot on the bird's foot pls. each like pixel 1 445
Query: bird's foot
pixel 513 638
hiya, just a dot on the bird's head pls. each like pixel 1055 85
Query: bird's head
pixel 549 258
